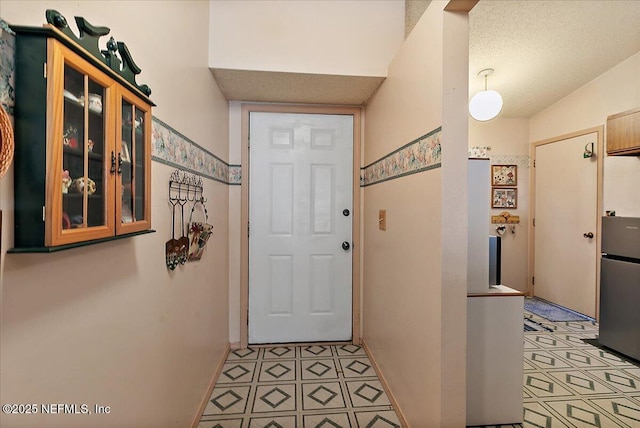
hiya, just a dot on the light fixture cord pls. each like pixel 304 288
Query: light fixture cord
pixel 485 82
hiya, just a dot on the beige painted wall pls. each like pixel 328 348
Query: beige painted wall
pixel 615 91
pixel 108 324
pixel 235 226
pixel 414 297
pixel 508 138
pixel 347 37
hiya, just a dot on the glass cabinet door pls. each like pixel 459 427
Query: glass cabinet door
pixel 85 154
pixel 133 167
pixel 98 153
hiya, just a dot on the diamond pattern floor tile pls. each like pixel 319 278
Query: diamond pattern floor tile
pixel 279 352
pixel 316 351
pixel 237 372
pixel 280 371
pixel 545 360
pixel 227 401
pixel 350 351
pixel 333 420
pixel 541 385
pixel 580 382
pixel 221 423
pixel 357 367
pixel 319 369
pixel 367 393
pixel 383 419
pixel 620 408
pixel 326 395
pixel 274 422
pixel 579 358
pixel 537 415
pixel 299 386
pixel 275 398
pixel 567 383
pixel 617 379
pixel 243 354
pixel 581 414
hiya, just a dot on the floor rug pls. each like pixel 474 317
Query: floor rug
pixel 552 312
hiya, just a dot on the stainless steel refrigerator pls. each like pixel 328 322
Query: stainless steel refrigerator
pixel 620 285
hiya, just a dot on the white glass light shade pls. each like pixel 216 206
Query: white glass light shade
pixel 485 105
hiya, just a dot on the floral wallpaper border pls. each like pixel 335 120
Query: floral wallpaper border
pixel 521 160
pixel 483 152
pixel 172 148
pixel 421 154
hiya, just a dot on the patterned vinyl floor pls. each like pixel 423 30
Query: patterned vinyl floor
pixel 570 383
pixel 322 386
pixel 567 383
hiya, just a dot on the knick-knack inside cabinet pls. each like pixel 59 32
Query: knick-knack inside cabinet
pixel 82 170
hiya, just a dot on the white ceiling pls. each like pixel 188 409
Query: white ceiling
pixel 542 50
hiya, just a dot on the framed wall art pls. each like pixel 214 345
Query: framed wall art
pixel 504 197
pixel 504 175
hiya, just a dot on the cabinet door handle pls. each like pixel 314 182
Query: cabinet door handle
pixel 113 163
pixel 119 164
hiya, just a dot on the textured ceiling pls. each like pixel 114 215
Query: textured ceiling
pixel 271 86
pixel 541 50
pixel 544 50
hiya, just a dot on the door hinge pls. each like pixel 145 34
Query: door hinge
pixel 534 163
pixel 533 280
pixel 44 216
pixel 248 229
pixel 534 222
pixel 45 70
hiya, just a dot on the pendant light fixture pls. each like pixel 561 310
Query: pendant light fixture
pixel 485 105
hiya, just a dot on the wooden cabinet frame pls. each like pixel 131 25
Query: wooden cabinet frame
pixel 43 57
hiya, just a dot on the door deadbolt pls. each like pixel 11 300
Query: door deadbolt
pixel 588 235
pixel 346 245
pixel 346 212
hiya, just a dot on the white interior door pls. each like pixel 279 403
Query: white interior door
pixel 566 199
pixel 300 205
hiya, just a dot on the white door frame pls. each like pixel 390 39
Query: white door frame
pixel 599 131
pixel 244 216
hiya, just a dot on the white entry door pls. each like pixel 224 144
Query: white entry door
pixel 300 219
pixel 566 221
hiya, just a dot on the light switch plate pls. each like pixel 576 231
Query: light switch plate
pixel 382 220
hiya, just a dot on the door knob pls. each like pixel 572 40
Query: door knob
pixel 346 212
pixel 588 235
pixel 346 245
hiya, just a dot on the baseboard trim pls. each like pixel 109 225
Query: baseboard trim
pixel 385 385
pixel 212 384
pixel 234 346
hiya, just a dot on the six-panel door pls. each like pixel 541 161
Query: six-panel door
pixel 300 204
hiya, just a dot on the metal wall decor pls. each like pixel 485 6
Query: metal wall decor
pixel 88 39
pixel 184 188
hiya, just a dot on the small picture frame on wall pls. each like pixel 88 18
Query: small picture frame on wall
pixel 503 197
pixel 504 175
